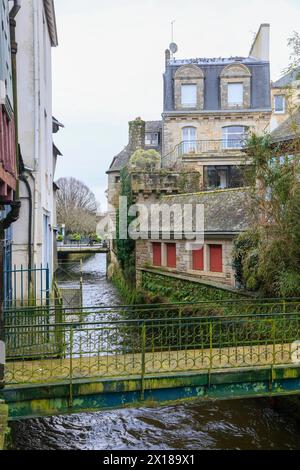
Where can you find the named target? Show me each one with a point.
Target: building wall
(144, 259)
(35, 133)
(292, 100)
(209, 126)
(7, 124)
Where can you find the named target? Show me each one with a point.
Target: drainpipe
(36, 121)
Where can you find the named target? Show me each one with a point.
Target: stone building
(142, 135)
(210, 106)
(226, 214)
(285, 97)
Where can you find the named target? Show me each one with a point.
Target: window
(233, 136)
(189, 95)
(188, 139)
(171, 255)
(198, 259)
(220, 176)
(152, 139)
(117, 179)
(216, 258)
(235, 93)
(279, 103)
(156, 251)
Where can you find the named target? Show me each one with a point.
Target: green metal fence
(153, 346)
(26, 286)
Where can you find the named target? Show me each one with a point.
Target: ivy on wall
(126, 247)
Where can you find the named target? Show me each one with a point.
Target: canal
(240, 424)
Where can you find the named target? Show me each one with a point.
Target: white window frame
(283, 104)
(232, 143)
(230, 86)
(154, 139)
(189, 103)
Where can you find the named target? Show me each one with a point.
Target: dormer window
(152, 139)
(189, 87)
(235, 83)
(188, 95)
(235, 93)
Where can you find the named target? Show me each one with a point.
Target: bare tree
(76, 206)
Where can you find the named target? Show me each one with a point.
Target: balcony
(188, 150)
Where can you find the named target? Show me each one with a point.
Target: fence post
(210, 352)
(143, 365)
(71, 368)
(274, 340)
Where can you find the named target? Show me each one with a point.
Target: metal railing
(26, 286)
(201, 147)
(74, 349)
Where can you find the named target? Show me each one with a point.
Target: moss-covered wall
(178, 290)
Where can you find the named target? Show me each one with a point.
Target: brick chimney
(136, 134)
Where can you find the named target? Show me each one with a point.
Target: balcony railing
(195, 148)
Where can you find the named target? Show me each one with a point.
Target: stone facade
(212, 132)
(144, 259)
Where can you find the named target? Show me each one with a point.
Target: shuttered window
(216, 258)
(171, 255)
(156, 250)
(198, 260)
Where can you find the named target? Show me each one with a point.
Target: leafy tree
(267, 257)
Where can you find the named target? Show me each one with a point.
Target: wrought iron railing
(71, 349)
(201, 147)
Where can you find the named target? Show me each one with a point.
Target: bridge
(81, 248)
(107, 357)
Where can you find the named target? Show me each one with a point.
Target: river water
(239, 424)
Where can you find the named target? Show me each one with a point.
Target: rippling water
(240, 424)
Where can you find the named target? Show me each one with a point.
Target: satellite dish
(173, 47)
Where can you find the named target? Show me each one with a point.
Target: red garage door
(216, 258)
(198, 259)
(171, 255)
(156, 249)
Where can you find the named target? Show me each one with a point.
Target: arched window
(233, 137)
(189, 139)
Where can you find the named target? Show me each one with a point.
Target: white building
(34, 232)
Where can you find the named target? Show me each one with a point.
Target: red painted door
(171, 255)
(216, 258)
(198, 260)
(156, 250)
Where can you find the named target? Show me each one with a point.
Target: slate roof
(122, 158)
(212, 68)
(287, 79)
(225, 211)
(288, 130)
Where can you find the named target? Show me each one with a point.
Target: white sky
(108, 67)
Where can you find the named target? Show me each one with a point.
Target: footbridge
(89, 359)
(81, 248)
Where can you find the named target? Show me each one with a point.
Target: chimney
(137, 134)
(260, 48)
(167, 57)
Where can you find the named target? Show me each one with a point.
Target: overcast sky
(108, 67)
